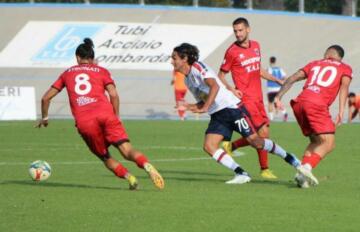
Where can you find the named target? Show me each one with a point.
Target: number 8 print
(82, 85)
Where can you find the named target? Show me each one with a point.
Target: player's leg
(116, 135)
(129, 153)
(265, 172)
(270, 106)
(220, 127)
(320, 145)
(211, 146)
(92, 134)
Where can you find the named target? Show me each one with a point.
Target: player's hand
(278, 104)
(280, 82)
(200, 110)
(41, 123)
(237, 93)
(338, 120)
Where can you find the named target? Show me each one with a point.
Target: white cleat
(301, 181)
(308, 175)
(239, 179)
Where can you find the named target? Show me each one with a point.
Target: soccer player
(324, 79)
(354, 106)
(97, 118)
(273, 88)
(180, 92)
(226, 112)
(243, 60)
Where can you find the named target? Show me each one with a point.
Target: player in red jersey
(243, 60)
(325, 78)
(97, 118)
(353, 106)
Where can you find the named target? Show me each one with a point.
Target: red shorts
(313, 119)
(100, 131)
(180, 94)
(257, 113)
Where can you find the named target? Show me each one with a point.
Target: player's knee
(256, 142)
(209, 148)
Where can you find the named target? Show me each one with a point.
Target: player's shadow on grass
(61, 185)
(194, 176)
(286, 183)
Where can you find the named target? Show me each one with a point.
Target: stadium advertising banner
(17, 103)
(117, 45)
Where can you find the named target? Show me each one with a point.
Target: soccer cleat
(133, 183)
(155, 176)
(239, 179)
(227, 146)
(301, 181)
(308, 175)
(267, 174)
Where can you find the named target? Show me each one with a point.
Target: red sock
(242, 142)
(120, 171)
(141, 160)
(263, 159)
(312, 159)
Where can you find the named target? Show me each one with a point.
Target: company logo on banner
(117, 45)
(62, 46)
(17, 103)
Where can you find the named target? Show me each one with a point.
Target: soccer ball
(39, 170)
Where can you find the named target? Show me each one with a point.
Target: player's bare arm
(214, 88)
(343, 93)
(267, 76)
(114, 98)
(222, 78)
(45, 104)
(298, 76)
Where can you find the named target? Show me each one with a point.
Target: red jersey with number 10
(323, 81)
(85, 85)
(244, 65)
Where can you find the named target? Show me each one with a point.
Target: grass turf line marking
(236, 154)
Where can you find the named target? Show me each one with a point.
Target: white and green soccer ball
(39, 170)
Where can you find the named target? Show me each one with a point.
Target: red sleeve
(107, 78)
(227, 62)
(307, 69)
(347, 71)
(59, 84)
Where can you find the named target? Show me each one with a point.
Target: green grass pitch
(81, 195)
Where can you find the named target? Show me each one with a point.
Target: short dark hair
(188, 50)
(272, 59)
(241, 20)
(351, 94)
(86, 49)
(339, 50)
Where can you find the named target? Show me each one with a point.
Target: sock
(120, 171)
(141, 160)
(283, 112)
(242, 142)
(226, 160)
(263, 158)
(313, 159)
(271, 116)
(273, 148)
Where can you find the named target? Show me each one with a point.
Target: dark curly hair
(189, 51)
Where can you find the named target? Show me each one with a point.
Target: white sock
(226, 160)
(271, 147)
(307, 166)
(271, 116)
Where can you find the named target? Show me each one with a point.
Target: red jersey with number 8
(323, 81)
(85, 85)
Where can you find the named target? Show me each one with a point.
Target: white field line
(205, 157)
